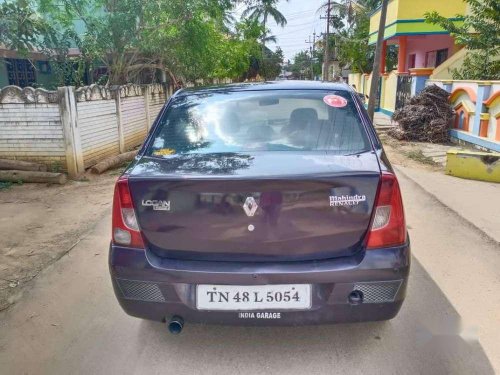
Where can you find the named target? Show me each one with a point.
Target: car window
(281, 120)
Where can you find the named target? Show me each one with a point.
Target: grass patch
(4, 185)
(419, 156)
(55, 167)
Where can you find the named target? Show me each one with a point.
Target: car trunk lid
(255, 207)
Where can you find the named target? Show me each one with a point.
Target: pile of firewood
(17, 170)
(426, 117)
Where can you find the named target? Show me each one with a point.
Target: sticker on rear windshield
(335, 101)
(163, 152)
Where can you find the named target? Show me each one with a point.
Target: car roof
(268, 85)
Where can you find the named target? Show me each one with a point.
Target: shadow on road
(423, 338)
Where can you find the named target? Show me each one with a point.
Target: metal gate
(403, 91)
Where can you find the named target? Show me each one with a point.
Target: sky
(303, 19)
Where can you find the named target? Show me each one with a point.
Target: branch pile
(425, 117)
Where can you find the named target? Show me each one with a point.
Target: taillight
(388, 225)
(125, 227)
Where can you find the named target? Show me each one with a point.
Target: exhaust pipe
(175, 325)
(355, 297)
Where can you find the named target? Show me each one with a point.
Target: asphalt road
(70, 323)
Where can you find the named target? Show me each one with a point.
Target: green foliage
(24, 29)
(56, 167)
(262, 9)
(191, 40)
(480, 34)
(5, 185)
(349, 25)
(268, 64)
(303, 63)
(272, 63)
(188, 39)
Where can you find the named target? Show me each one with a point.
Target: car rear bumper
(154, 288)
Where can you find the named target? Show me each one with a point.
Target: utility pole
(312, 50)
(376, 61)
(326, 58)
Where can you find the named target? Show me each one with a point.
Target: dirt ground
(407, 154)
(39, 223)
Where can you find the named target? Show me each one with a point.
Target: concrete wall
(135, 126)
(32, 132)
(476, 104)
(388, 89)
(156, 102)
(98, 130)
(355, 81)
(477, 108)
(76, 129)
(390, 85)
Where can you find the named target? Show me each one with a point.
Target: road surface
(69, 322)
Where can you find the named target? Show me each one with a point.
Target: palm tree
(261, 11)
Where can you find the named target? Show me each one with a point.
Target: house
(34, 70)
(427, 54)
(421, 45)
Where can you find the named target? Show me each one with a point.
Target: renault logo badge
(250, 206)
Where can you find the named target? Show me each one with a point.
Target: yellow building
(428, 54)
(421, 44)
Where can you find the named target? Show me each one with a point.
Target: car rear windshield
(244, 121)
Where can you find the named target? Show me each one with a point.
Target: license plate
(253, 297)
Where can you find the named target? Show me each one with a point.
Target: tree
(187, 39)
(350, 23)
(260, 10)
(272, 63)
(352, 42)
(190, 40)
(376, 63)
(480, 34)
(258, 57)
(304, 62)
(25, 30)
(195, 42)
(21, 28)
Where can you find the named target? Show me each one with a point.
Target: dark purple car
(260, 204)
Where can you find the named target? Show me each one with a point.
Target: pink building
(421, 45)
